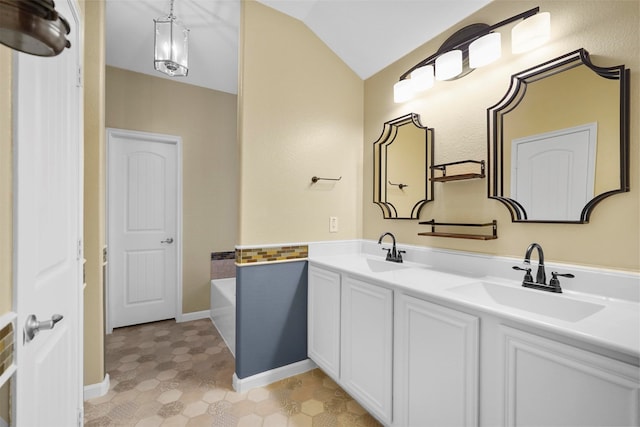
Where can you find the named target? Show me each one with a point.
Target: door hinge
(80, 418)
(79, 76)
(79, 250)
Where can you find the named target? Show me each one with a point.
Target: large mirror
(559, 140)
(402, 156)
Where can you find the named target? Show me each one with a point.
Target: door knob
(32, 326)
(169, 240)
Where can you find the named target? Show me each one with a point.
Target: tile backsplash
(6, 347)
(270, 254)
(223, 265)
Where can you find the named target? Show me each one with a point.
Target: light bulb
(531, 33)
(402, 91)
(449, 65)
(485, 50)
(422, 78)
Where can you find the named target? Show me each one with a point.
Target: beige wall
(457, 110)
(300, 115)
(6, 193)
(206, 121)
(94, 187)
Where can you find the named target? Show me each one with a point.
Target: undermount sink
(377, 266)
(539, 302)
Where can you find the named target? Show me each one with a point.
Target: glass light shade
(422, 78)
(449, 65)
(171, 47)
(485, 50)
(531, 33)
(402, 91)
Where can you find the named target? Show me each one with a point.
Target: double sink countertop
(610, 322)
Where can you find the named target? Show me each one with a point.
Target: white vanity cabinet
(436, 365)
(323, 339)
(550, 383)
(367, 345)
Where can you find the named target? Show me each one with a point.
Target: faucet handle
(527, 275)
(554, 278)
(388, 253)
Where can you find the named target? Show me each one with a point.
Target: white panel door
(324, 320)
(48, 231)
(143, 227)
(366, 363)
(436, 365)
(553, 173)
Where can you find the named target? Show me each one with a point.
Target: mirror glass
(402, 156)
(559, 140)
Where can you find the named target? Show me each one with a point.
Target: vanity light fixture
(171, 46)
(473, 46)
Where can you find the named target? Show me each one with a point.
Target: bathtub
(223, 310)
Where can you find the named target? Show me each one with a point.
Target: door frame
(159, 139)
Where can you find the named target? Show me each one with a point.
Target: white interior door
(48, 231)
(143, 232)
(553, 173)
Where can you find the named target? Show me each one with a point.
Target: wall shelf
(458, 177)
(493, 224)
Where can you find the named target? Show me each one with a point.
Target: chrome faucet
(541, 276)
(393, 254)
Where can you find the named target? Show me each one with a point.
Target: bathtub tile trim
(271, 254)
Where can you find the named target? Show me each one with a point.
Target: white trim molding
(92, 391)
(268, 377)
(194, 315)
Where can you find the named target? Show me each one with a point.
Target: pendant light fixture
(171, 46)
(33, 27)
(471, 47)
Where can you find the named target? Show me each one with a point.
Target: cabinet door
(366, 362)
(436, 365)
(324, 320)
(550, 383)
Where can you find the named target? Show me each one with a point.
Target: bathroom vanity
(446, 339)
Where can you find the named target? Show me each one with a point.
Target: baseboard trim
(194, 315)
(265, 378)
(92, 391)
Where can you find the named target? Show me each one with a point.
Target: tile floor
(179, 374)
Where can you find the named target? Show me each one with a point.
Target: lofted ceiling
(367, 35)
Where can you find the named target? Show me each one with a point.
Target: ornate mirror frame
(512, 99)
(398, 180)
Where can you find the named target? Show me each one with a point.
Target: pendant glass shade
(402, 91)
(531, 33)
(485, 50)
(422, 78)
(171, 47)
(449, 65)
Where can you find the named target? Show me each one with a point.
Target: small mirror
(559, 140)
(402, 156)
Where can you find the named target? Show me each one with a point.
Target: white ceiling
(367, 34)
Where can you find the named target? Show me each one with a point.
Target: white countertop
(614, 326)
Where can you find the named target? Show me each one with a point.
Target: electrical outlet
(333, 224)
